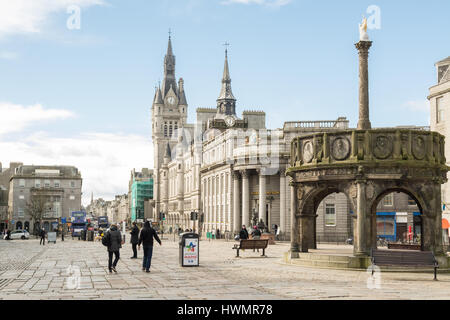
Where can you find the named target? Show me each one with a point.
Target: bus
(103, 222)
(79, 223)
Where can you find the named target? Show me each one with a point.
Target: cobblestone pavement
(30, 271)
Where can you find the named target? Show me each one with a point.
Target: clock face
(230, 121)
(171, 100)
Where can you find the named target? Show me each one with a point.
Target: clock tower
(169, 113)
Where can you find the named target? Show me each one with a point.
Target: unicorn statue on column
(363, 36)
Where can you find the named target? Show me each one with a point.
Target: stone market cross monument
(366, 164)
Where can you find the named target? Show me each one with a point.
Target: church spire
(169, 70)
(226, 103)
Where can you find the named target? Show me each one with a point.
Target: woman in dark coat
(114, 245)
(243, 235)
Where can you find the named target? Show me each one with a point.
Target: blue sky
(295, 60)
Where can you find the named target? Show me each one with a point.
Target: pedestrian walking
(42, 234)
(134, 239)
(243, 234)
(114, 243)
(146, 239)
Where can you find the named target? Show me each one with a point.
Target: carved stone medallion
(419, 148)
(308, 152)
(382, 147)
(340, 149)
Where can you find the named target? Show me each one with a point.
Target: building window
(37, 183)
(330, 215)
(388, 200)
(411, 201)
(20, 212)
(439, 110)
(72, 197)
(165, 130)
(46, 183)
(22, 183)
(22, 197)
(72, 184)
(57, 184)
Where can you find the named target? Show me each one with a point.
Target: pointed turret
(169, 70)
(226, 103)
(181, 94)
(158, 97)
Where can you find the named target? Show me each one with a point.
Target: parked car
(20, 234)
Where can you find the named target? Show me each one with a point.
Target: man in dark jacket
(42, 234)
(114, 244)
(243, 235)
(146, 238)
(134, 239)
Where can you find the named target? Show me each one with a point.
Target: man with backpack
(113, 240)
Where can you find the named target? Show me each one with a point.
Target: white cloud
(105, 160)
(7, 55)
(270, 3)
(29, 16)
(15, 118)
(418, 105)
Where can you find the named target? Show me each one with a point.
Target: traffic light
(162, 216)
(194, 215)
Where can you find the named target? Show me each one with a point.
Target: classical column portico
(236, 204)
(245, 198)
(282, 226)
(294, 222)
(262, 197)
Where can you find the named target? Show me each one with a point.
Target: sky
(77, 77)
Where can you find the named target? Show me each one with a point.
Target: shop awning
(445, 224)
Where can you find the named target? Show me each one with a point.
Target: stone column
(294, 222)
(245, 198)
(363, 49)
(282, 225)
(307, 225)
(432, 221)
(262, 197)
(363, 228)
(236, 204)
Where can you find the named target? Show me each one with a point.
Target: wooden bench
(404, 259)
(251, 244)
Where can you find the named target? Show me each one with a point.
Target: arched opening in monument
(334, 219)
(397, 217)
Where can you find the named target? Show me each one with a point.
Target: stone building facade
(440, 115)
(440, 122)
(222, 164)
(5, 176)
(60, 186)
(116, 210)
